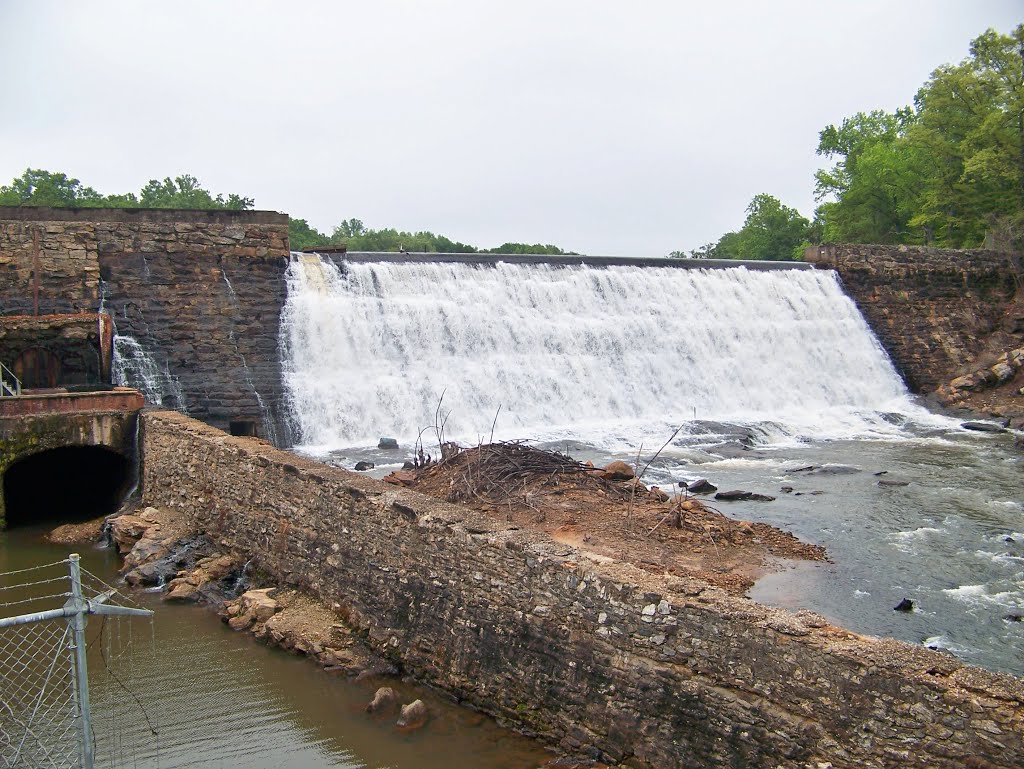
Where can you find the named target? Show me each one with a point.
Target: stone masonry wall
(592, 654)
(932, 309)
(80, 343)
(200, 291)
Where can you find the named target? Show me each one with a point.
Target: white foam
(596, 354)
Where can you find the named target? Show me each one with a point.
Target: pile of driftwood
(511, 473)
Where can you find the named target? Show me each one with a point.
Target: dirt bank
(608, 513)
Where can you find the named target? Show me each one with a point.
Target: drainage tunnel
(73, 483)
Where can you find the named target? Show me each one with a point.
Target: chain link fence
(45, 717)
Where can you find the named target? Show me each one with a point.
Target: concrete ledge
(120, 399)
(562, 260)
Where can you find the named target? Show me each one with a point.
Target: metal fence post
(78, 622)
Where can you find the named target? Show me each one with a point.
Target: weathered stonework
(32, 424)
(201, 291)
(595, 655)
(932, 309)
(81, 346)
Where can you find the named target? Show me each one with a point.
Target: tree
(37, 187)
(874, 182)
(301, 236)
(949, 170)
(184, 192)
(526, 248)
(772, 231)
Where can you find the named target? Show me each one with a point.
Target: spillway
(612, 354)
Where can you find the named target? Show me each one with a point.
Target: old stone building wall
(596, 655)
(934, 310)
(199, 294)
(61, 349)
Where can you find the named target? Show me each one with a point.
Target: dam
(771, 371)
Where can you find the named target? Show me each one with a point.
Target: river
(218, 698)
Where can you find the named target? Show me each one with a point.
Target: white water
(610, 355)
(134, 367)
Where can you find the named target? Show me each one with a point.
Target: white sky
(602, 127)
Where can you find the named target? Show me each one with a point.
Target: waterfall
(613, 355)
(134, 367)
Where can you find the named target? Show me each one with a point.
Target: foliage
(302, 236)
(527, 248)
(352, 234)
(949, 171)
(185, 192)
(771, 231)
(37, 187)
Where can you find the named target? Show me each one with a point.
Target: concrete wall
(201, 291)
(933, 310)
(32, 424)
(592, 654)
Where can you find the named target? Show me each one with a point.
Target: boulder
(401, 478)
(126, 530)
(362, 466)
(834, 470)
(738, 495)
(388, 444)
(905, 605)
(413, 715)
(618, 471)
(983, 427)
(662, 496)
(701, 486)
(385, 697)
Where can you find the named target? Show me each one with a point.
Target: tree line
(37, 187)
(946, 171)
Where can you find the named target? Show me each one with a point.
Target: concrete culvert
(72, 483)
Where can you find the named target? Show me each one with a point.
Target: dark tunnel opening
(73, 483)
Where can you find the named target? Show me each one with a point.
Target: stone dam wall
(201, 291)
(933, 310)
(594, 655)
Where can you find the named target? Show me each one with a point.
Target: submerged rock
(384, 697)
(905, 605)
(983, 427)
(413, 715)
(738, 495)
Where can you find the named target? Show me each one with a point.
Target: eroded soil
(606, 515)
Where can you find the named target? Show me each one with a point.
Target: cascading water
(134, 367)
(612, 355)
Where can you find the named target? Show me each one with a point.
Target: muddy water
(219, 699)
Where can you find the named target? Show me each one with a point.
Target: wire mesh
(39, 712)
(43, 722)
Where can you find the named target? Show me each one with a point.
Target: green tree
(301, 236)
(185, 192)
(874, 182)
(772, 231)
(527, 248)
(948, 171)
(37, 187)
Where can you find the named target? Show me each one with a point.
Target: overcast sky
(603, 127)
